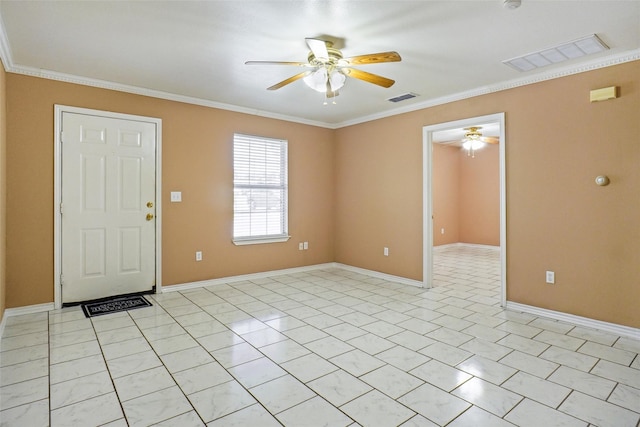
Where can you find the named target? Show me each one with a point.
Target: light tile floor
(328, 347)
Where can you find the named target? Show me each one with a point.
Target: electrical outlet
(198, 255)
(442, 231)
(385, 251)
(300, 246)
(551, 277)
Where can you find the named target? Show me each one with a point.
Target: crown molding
(556, 73)
(11, 67)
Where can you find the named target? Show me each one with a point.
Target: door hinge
(60, 208)
(61, 136)
(61, 280)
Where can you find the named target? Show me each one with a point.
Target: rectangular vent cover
(403, 97)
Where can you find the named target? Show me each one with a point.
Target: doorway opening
(473, 238)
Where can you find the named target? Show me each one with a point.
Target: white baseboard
(379, 275)
(243, 277)
(29, 309)
(613, 328)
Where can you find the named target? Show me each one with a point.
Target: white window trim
(274, 238)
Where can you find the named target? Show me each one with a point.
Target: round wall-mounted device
(602, 180)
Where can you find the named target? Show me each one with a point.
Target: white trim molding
(613, 328)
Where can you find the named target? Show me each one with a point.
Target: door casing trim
(57, 190)
(427, 204)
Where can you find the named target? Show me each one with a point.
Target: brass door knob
(149, 217)
(149, 204)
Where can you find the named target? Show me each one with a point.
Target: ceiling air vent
(403, 97)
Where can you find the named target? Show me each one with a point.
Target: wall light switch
(385, 251)
(176, 196)
(551, 277)
(305, 245)
(198, 255)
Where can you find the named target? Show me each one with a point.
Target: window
(259, 190)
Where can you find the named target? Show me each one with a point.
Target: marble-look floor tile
(391, 381)
(440, 375)
(545, 392)
(402, 358)
(488, 396)
(72, 352)
(141, 383)
(569, 358)
(185, 359)
(125, 348)
(34, 414)
(218, 401)
(449, 336)
(329, 347)
(374, 408)
(282, 393)
(309, 367)
(24, 392)
(19, 372)
(284, 351)
(486, 349)
(533, 414)
(76, 368)
(411, 340)
(133, 363)
(598, 412)
(434, 404)
(446, 353)
(371, 343)
(475, 416)
(530, 364)
(236, 355)
(98, 410)
(592, 385)
(173, 344)
(155, 407)
(339, 387)
(254, 415)
(202, 377)
(305, 334)
(623, 357)
(189, 419)
(627, 397)
(619, 373)
(357, 362)
(315, 411)
(79, 389)
(23, 341)
(524, 345)
(486, 369)
(256, 372)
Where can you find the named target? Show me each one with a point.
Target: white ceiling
(195, 51)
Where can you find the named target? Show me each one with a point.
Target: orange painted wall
(466, 196)
(480, 196)
(359, 188)
(557, 142)
(446, 194)
(196, 159)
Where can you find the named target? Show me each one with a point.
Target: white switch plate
(300, 246)
(176, 196)
(551, 277)
(198, 255)
(305, 245)
(386, 251)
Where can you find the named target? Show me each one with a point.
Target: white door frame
(57, 191)
(427, 197)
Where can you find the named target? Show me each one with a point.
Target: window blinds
(259, 188)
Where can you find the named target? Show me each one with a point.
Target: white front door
(108, 206)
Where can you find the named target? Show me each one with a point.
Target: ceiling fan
(474, 140)
(326, 69)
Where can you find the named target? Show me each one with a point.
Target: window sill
(259, 241)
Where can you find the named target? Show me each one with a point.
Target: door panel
(108, 188)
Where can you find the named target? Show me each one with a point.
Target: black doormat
(113, 305)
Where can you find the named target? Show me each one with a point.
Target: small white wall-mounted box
(176, 196)
(603, 94)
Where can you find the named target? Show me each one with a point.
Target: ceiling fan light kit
(473, 140)
(328, 69)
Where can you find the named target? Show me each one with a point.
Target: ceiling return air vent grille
(403, 97)
(575, 49)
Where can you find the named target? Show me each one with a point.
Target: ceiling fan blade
(289, 80)
(300, 64)
(318, 47)
(368, 77)
(490, 139)
(374, 58)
